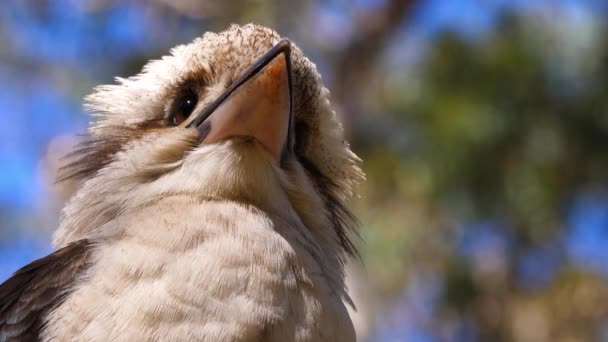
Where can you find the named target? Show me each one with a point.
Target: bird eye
(183, 108)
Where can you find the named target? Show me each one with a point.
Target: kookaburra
(211, 206)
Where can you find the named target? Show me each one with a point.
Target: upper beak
(257, 105)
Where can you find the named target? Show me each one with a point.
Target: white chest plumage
(151, 247)
(226, 273)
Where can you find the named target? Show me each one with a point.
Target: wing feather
(34, 290)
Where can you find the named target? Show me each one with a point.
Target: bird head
(240, 115)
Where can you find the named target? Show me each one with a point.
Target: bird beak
(257, 105)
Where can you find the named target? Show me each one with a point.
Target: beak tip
(264, 91)
(283, 44)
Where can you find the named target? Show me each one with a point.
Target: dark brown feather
(96, 152)
(33, 291)
(343, 220)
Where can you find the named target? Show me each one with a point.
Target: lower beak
(257, 105)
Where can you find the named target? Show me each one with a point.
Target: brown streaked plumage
(213, 189)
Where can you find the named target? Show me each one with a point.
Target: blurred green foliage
(500, 129)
